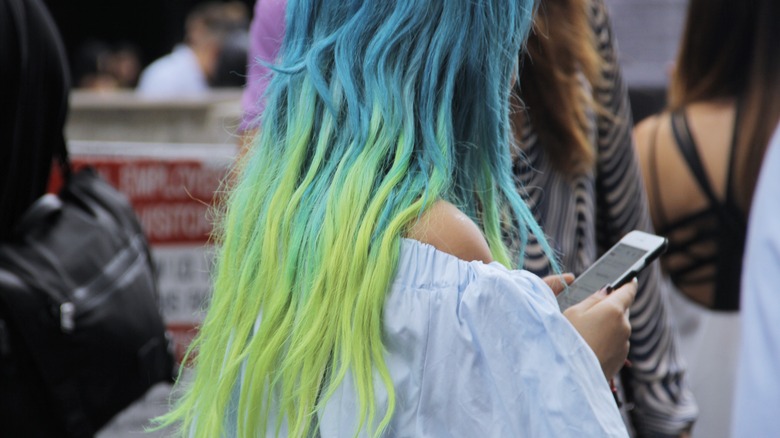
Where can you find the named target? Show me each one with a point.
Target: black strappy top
(721, 222)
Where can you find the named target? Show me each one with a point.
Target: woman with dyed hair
(355, 289)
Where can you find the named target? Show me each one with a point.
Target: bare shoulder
(650, 137)
(645, 131)
(449, 230)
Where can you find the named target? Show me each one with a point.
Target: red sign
(173, 189)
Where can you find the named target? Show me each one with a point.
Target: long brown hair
(561, 52)
(730, 50)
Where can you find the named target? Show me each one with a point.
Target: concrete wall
(125, 117)
(648, 33)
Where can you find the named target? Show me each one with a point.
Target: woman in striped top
(581, 178)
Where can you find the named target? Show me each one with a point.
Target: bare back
(680, 207)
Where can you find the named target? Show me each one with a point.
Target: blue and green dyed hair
(378, 109)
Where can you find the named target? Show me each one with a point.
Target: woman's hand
(556, 282)
(602, 320)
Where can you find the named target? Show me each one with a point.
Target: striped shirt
(583, 216)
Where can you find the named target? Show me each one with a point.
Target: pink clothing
(265, 39)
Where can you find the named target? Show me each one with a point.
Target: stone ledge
(125, 116)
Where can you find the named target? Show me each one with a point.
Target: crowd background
(109, 45)
(130, 36)
(150, 27)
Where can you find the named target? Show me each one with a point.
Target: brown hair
(561, 52)
(730, 50)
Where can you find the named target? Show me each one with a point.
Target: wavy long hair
(561, 53)
(730, 50)
(378, 108)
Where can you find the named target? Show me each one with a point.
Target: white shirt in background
(177, 74)
(757, 400)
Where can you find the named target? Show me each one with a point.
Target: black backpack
(81, 335)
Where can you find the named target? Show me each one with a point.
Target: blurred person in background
(236, 12)
(34, 84)
(90, 67)
(99, 67)
(125, 65)
(192, 66)
(231, 65)
(758, 382)
(700, 160)
(584, 184)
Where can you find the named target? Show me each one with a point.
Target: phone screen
(611, 266)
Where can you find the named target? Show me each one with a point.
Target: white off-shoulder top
(475, 350)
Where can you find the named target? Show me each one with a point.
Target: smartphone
(635, 251)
